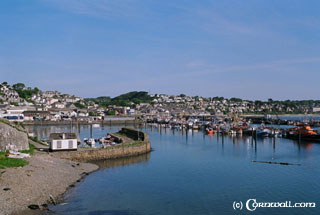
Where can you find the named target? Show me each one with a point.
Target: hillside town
(21, 103)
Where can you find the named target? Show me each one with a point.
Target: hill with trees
(127, 99)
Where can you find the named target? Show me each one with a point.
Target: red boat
(303, 133)
(210, 131)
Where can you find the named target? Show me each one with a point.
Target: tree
(111, 112)
(36, 90)
(79, 105)
(236, 100)
(18, 86)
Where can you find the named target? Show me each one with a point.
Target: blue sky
(252, 49)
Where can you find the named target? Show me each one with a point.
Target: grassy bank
(5, 161)
(10, 162)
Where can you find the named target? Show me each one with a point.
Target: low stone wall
(121, 150)
(135, 134)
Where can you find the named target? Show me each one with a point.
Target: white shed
(63, 141)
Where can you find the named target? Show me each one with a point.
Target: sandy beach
(43, 181)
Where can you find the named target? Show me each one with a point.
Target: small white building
(63, 141)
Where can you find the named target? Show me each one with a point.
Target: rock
(34, 207)
(6, 188)
(84, 173)
(12, 138)
(52, 200)
(72, 185)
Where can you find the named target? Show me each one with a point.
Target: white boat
(233, 132)
(263, 132)
(196, 127)
(91, 142)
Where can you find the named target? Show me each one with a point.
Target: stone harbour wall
(121, 150)
(135, 134)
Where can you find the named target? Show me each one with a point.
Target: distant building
(14, 115)
(316, 109)
(36, 115)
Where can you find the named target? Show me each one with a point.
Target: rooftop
(63, 136)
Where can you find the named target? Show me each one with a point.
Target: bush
(30, 151)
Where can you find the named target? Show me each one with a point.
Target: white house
(63, 141)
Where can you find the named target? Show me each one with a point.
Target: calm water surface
(191, 173)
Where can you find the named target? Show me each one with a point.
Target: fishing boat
(263, 132)
(277, 133)
(177, 127)
(233, 132)
(303, 133)
(195, 127)
(210, 131)
(90, 141)
(249, 131)
(239, 131)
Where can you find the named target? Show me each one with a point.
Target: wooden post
(255, 145)
(299, 136)
(186, 135)
(222, 138)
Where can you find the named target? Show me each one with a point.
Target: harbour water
(190, 173)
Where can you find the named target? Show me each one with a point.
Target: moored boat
(303, 133)
(209, 131)
(263, 132)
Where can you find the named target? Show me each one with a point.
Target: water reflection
(123, 161)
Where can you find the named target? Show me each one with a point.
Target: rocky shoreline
(42, 182)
